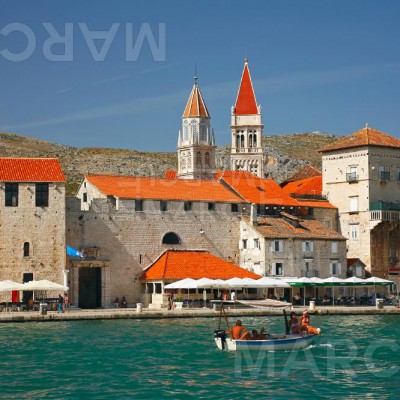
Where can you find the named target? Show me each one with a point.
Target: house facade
(361, 176)
(32, 220)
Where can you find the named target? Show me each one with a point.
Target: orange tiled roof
(133, 187)
(364, 137)
(306, 171)
(315, 203)
(246, 103)
(196, 107)
(309, 186)
(258, 190)
(30, 170)
(279, 228)
(196, 264)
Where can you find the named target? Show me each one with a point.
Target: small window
(244, 244)
(307, 247)
(171, 238)
(234, 208)
(335, 268)
(11, 194)
(277, 269)
(187, 206)
(26, 249)
(138, 205)
(277, 245)
(163, 205)
(42, 195)
(308, 271)
(334, 248)
(84, 197)
(140, 259)
(328, 223)
(354, 231)
(354, 204)
(257, 243)
(211, 206)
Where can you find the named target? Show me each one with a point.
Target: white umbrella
(333, 281)
(43, 285)
(251, 283)
(234, 283)
(272, 283)
(354, 281)
(378, 282)
(9, 286)
(187, 283)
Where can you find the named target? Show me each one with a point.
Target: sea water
(356, 357)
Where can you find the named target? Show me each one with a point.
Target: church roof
(30, 170)
(196, 107)
(246, 103)
(257, 190)
(364, 137)
(195, 264)
(280, 228)
(134, 187)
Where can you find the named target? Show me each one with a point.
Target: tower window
(26, 249)
(171, 238)
(198, 159)
(241, 140)
(254, 140)
(250, 140)
(11, 194)
(237, 141)
(187, 205)
(203, 132)
(207, 159)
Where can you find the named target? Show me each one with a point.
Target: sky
(316, 65)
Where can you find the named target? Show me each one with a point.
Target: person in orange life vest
(238, 332)
(305, 321)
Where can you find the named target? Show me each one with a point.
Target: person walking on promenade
(66, 302)
(60, 304)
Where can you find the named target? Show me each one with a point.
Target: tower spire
(195, 74)
(246, 103)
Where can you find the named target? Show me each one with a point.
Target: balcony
(351, 177)
(384, 211)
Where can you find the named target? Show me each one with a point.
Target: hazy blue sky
(320, 65)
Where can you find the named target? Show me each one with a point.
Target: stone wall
(42, 227)
(130, 241)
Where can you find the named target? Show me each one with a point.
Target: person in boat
(238, 332)
(294, 324)
(263, 335)
(305, 322)
(255, 335)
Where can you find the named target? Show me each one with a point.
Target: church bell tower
(246, 129)
(196, 142)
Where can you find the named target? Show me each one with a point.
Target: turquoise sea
(357, 357)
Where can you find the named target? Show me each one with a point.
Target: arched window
(198, 159)
(207, 159)
(251, 140)
(237, 141)
(193, 127)
(254, 140)
(203, 132)
(241, 140)
(171, 238)
(185, 131)
(26, 249)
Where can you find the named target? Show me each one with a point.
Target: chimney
(253, 214)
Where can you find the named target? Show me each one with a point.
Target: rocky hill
(285, 154)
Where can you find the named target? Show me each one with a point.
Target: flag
(73, 252)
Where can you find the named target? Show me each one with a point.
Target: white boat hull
(274, 343)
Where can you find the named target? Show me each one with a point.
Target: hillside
(285, 154)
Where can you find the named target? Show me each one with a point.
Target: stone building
(361, 176)
(32, 220)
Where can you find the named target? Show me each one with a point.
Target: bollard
(312, 305)
(139, 307)
(214, 307)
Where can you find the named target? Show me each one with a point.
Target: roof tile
(364, 137)
(196, 264)
(30, 170)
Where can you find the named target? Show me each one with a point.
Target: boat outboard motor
(220, 333)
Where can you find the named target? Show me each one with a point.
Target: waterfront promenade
(132, 313)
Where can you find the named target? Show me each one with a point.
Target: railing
(352, 177)
(384, 215)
